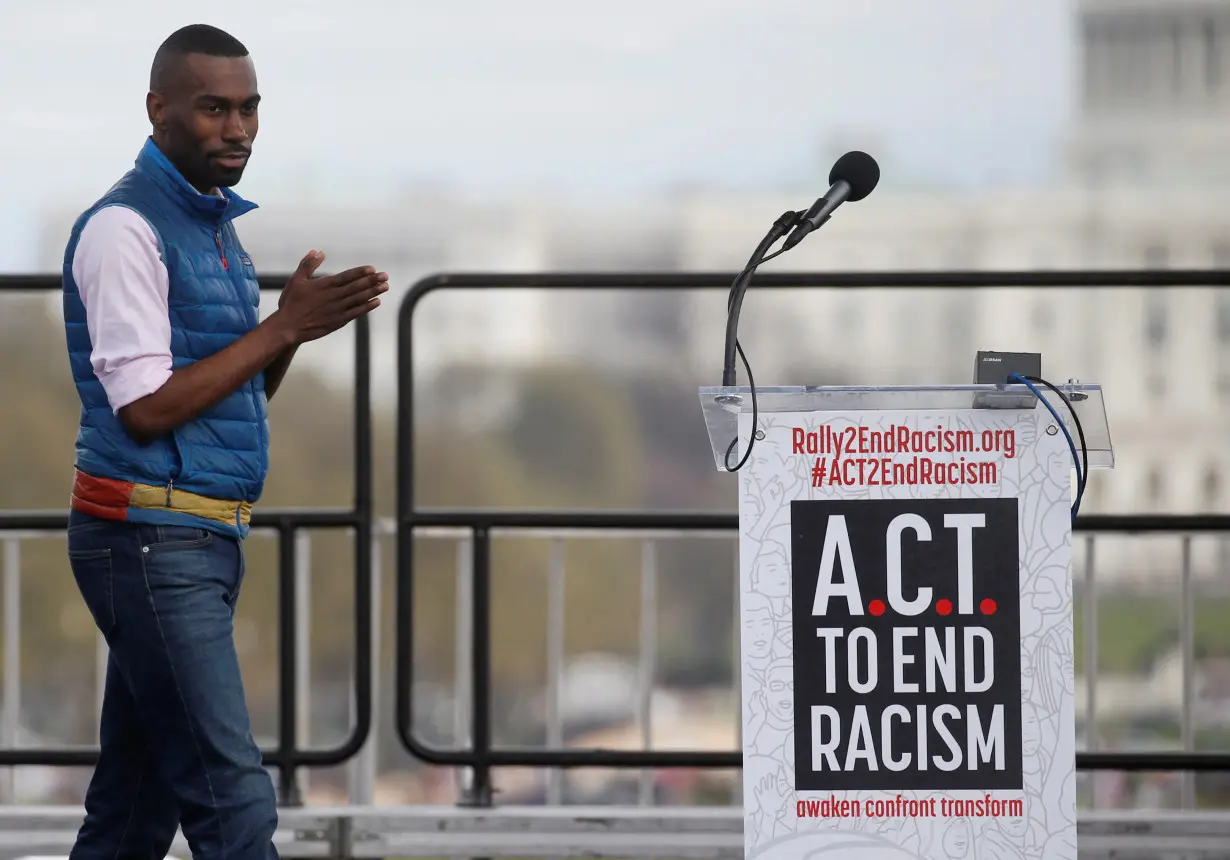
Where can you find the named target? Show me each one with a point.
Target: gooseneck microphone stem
(852, 178)
(738, 288)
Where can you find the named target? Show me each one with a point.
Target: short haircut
(193, 39)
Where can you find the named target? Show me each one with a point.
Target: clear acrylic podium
(905, 619)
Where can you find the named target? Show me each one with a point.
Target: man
(174, 371)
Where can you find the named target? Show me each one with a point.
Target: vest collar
(209, 207)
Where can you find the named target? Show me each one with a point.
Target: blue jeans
(177, 747)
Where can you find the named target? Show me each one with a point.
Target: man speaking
(174, 369)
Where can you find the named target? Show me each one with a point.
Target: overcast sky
(593, 100)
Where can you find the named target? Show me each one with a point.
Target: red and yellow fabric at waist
(111, 499)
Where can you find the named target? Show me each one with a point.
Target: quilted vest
(209, 471)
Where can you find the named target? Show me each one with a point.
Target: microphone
(852, 178)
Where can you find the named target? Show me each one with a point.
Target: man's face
(771, 574)
(1013, 827)
(781, 692)
(760, 631)
(957, 837)
(206, 118)
(1031, 730)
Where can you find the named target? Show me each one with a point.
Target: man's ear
(154, 109)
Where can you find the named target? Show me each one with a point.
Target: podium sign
(906, 625)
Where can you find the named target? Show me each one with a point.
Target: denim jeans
(177, 747)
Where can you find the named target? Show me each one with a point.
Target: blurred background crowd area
(472, 136)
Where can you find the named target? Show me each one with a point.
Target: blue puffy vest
(210, 471)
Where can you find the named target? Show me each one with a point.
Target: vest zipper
(221, 253)
(260, 429)
(170, 486)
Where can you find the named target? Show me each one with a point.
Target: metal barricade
(478, 527)
(288, 756)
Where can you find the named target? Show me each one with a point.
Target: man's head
(202, 104)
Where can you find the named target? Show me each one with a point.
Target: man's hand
(276, 371)
(312, 307)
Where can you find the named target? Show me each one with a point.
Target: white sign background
(1040, 475)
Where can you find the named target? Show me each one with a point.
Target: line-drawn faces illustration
(770, 569)
(777, 475)
(1027, 428)
(835, 845)
(1012, 827)
(1031, 735)
(760, 629)
(1055, 666)
(779, 695)
(1043, 607)
(767, 797)
(955, 840)
(1027, 674)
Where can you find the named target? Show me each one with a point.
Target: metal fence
(482, 755)
(288, 755)
(477, 528)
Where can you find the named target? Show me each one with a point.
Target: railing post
(555, 665)
(11, 725)
(303, 649)
(288, 792)
(1187, 641)
(648, 653)
(463, 660)
(365, 766)
(480, 791)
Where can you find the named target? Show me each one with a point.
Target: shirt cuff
(136, 378)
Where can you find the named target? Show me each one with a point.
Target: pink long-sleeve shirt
(123, 284)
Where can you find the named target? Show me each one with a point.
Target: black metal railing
(482, 755)
(287, 756)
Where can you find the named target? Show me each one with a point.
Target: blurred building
(1154, 92)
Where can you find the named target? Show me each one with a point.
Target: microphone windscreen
(859, 170)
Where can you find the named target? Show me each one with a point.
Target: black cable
(751, 439)
(1082, 474)
(734, 299)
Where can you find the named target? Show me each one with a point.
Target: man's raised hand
(313, 307)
